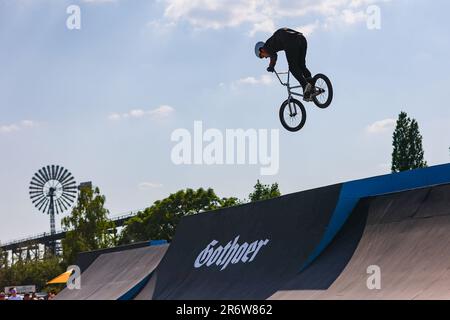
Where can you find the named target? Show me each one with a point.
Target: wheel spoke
(292, 115)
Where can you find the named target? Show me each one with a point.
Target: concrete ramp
(117, 275)
(406, 235)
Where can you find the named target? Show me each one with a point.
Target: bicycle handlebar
(278, 76)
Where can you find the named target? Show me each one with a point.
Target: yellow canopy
(62, 278)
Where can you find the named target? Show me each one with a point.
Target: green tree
(3, 259)
(88, 227)
(160, 220)
(408, 153)
(264, 192)
(34, 272)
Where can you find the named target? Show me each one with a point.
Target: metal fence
(39, 236)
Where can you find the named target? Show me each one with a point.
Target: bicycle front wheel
(292, 115)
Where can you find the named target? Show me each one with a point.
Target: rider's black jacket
(282, 39)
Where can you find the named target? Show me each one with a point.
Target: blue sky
(103, 101)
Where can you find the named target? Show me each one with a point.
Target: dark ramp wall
(290, 226)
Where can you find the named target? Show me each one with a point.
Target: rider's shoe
(308, 93)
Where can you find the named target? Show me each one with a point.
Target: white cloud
(381, 126)
(137, 113)
(9, 128)
(114, 116)
(308, 29)
(28, 123)
(149, 185)
(160, 112)
(263, 80)
(264, 15)
(14, 127)
(99, 1)
(161, 25)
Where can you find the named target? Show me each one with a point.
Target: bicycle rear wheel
(324, 91)
(292, 115)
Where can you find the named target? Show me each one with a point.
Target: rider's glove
(271, 69)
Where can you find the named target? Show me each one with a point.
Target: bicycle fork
(292, 108)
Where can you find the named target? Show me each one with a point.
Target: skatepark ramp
(316, 244)
(405, 236)
(117, 275)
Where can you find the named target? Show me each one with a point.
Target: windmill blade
(55, 206)
(33, 187)
(64, 176)
(47, 177)
(37, 200)
(49, 172)
(72, 190)
(59, 170)
(70, 187)
(55, 173)
(36, 191)
(68, 179)
(33, 192)
(44, 174)
(46, 206)
(71, 193)
(69, 182)
(67, 200)
(62, 173)
(67, 203)
(62, 205)
(52, 171)
(68, 196)
(40, 174)
(36, 178)
(40, 203)
(34, 196)
(33, 183)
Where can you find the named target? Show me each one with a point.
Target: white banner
(22, 289)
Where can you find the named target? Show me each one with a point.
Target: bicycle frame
(287, 85)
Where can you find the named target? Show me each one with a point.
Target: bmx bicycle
(292, 111)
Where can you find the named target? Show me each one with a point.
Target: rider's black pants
(296, 57)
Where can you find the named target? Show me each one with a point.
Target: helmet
(258, 47)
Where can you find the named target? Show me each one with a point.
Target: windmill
(53, 190)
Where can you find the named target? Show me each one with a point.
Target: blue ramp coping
(133, 292)
(138, 287)
(353, 191)
(157, 242)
